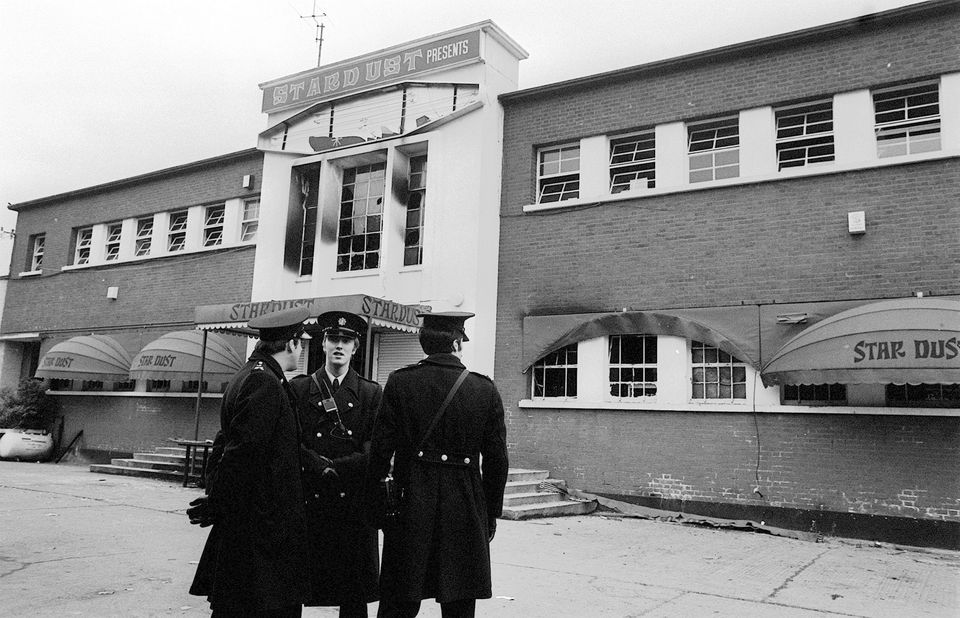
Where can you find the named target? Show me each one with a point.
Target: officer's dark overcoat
(253, 559)
(439, 549)
(344, 549)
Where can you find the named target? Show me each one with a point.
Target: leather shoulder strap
(443, 407)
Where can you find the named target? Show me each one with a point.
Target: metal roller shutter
(395, 350)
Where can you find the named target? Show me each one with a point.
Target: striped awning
(88, 357)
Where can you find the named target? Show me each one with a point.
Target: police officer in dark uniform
(337, 408)
(452, 486)
(253, 561)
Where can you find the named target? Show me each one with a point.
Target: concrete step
(519, 474)
(166, 475)
(556, 508)
(520, 487)
(171, 450)
(148, 463)
(161, 457)
(529, 498)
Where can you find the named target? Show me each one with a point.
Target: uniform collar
(444, 359)
(267, 360)
(350, 380)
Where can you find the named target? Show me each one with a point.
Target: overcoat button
(319, 435)
(349, 432)
(316, 496)
(350, 405)
(420, 454)
(466, 460)
(443, 457)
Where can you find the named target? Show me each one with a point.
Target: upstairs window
(558, 174)
(714, 150)
(84, 239)
(804, 135)
(213, 226)
(555, 375)
(633, 366)
(632, 163)
(716, 374)
(416, 201)
(361, 218)
(907, 119)
(112, 248)
(144, 237)
(250, 220)
(177, 232)
(309, 181)
(37, 241)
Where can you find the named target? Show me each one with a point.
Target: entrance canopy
(378, 311)
(176, 356)
(908, 340)
(732, 329)
(89, 357)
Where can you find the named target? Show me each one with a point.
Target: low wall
(832, 473)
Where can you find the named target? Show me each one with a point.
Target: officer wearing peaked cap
(452, 481)
(253, 561)
(337, 407)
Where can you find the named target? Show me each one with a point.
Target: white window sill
(726, 406)
(790, 173)
(30, 273)
(355, 274)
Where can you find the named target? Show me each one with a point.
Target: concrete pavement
(74, 543)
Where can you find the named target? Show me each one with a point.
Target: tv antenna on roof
(319, 28)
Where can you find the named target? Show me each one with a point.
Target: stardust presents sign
(371, 71)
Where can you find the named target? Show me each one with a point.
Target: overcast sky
(98, 90)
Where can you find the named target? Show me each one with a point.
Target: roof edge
(786, 38)
(115, 184)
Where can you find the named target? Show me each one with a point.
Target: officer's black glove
(491, 529)
(317, 466)
(200, 513)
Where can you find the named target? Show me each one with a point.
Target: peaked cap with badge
(280, 325)
(342, 324)
(447, 322)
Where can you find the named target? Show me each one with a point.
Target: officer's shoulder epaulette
(368, 380)
(480, 375)
(407, 367)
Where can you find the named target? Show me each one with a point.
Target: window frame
(817, 390)
(83, 245)
(562, 362)
(642, 167)
(37, 245)
(560, 177)
(177, 231)
(716, 147)
(374, 176)
(213, 225)
(416, 190)
(646, 366)
(143, 240)
(912, 131)
(732, 364)
(249, 225)
(812, 135)
(111, 244)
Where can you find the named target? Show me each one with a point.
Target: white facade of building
(381, 177)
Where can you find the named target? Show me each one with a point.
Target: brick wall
(783, 241)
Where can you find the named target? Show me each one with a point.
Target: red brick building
(129, 261)
(668, 229)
